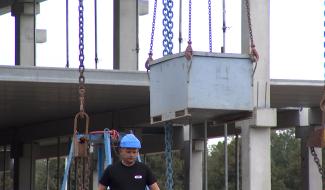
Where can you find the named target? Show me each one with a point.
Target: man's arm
(101, 187)
(154, 187)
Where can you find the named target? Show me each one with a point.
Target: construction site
(76, 114)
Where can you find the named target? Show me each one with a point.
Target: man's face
(129, 155)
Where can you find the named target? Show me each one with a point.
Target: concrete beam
(126, 119)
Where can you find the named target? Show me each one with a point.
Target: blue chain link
(81, 33)
(168, 26)
(210, 28)
(153, 27)
(168, 156)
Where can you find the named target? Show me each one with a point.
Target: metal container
(207, 86)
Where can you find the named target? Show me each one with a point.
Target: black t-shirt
(121, 177)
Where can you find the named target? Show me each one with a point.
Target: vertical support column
(187, 136)
(125, 35)
(27, 166)
(310, 177)
(193, 154)
(196, 171)
(24, 13)
(256, 170)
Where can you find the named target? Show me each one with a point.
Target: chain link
(168, 156)
(82, 88)
(153, 27)
(82, 163)
(88, 169)
(210, 27)
(147, 64)
(254, 52)
(168, 27)
(190, 21)
(317, 161)
(189, 50)
(79, 173)
(249, 21)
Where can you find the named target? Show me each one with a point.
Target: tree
(285, 160)
(157, 163)
(285, 163)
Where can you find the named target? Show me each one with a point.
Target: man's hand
(101, 187)
(154, 187)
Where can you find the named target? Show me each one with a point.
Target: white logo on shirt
(138, 177)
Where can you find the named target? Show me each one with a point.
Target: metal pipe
(226, 155)
(67, 32)
(4, 166)
(31, 167)
(224, 27)
(205, 165)
(47, 174)
(137, 49)
(180, 38)
(34, 30)
(96, 51)
(58, 163)
(237, 163)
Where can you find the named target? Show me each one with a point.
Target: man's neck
(126, 164)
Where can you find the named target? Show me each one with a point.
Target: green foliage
(47, 175)
(285, 160)
(157, 164)
(285, 163)
(216, 169)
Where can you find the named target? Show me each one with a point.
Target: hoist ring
(81, 115)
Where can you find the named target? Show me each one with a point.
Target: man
(128, 174)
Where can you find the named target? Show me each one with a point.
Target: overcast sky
(297, 34)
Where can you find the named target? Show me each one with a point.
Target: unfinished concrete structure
(37, 104)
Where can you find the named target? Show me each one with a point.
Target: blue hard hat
(130, 141)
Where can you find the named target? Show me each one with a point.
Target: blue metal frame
(67, 167)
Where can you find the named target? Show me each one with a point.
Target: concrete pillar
(193, 157)
(196, 170)
(125, 35)
(310, 177)
(27, 166)
(256, 156)
(25, 32)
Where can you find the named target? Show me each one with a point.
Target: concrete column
(125, 35)
(193, 157)
(27, 167)
(256, 156)
(310, 177)
(196, 170)
(25, 32)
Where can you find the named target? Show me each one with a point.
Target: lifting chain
(82, 88)
(168, 27)
(147, 64)
(83, 172)
(318, 162)
(82, 157)
(254, 53)
(168, 155)
(210, 27)
(189, 50)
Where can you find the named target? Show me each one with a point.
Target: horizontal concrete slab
(32, 95)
